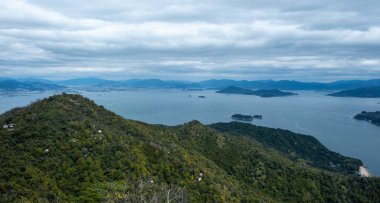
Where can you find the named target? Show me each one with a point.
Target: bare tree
(145, 190)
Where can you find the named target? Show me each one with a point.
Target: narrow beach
(364, 172)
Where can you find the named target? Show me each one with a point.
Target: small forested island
(261, 92)
(241, 117)
(372, 117)
(258, 117)
(364, 92)
(66, 148)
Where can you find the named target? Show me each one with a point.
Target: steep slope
(262, 168)
(67, 148)
(296, 147)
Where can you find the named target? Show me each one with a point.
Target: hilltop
(67, 148)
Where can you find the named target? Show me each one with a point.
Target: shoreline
(364, 172)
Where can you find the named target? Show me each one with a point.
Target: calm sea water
(329, 119)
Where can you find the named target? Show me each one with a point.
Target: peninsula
(364, 92)
(372, 117)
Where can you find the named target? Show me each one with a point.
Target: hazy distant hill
(84, 82)
(289, 84)
(264, 84)
(261, 92)
(133, 83)
(156, 83)
(9, 85)
(221, 84)
(36, 80)
(68, 149)
(365, 92)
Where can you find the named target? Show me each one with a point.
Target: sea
(329, 119)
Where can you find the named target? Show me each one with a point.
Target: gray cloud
(191, 39)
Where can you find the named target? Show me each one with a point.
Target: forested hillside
(67, 148)
(297, 147)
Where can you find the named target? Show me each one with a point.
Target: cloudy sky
(310, 40)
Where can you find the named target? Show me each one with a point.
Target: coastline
(364, 172)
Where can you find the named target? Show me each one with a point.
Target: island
(372, 117)
(258, 117)
(363, 92)
(241, 117)
(260, 93)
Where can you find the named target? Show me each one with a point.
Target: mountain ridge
(10, 85)
(67, 148)
(99, 84)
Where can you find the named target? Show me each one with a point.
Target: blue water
(329, 119)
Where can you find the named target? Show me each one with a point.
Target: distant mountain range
(289, 84)
(101, 84)
(133, 83)
(10, 85)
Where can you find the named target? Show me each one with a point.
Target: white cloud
(205, 37)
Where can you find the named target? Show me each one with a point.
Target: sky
(308, 40)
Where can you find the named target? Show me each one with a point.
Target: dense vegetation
(373, 117)
(261, 92)
(294, 146)
(67, 148)
(365, 92)
(242, 117)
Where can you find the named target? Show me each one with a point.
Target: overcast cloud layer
(190, 40)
